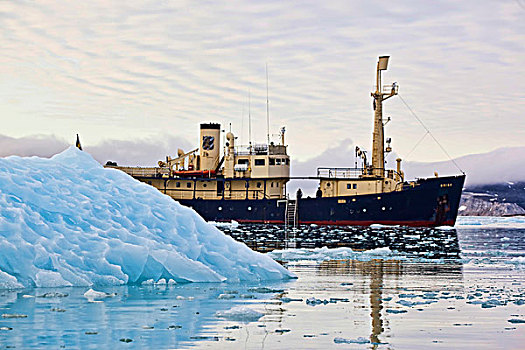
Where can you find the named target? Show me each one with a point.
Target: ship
(248, 184)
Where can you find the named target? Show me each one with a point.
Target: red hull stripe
(358, 223)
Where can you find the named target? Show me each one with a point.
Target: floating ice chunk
(445, 228)
(395, 311)
(314, 301)
(232, 224)
(240, 313)
(289, 300)
(265, 290)
(360, 340)
(226, 296)
(53, 295)
(322, 254)
(415, 303)
(93, 294)
(520, 260)
(14, 316)
(379, 226)
(516, 320)
(67, 221)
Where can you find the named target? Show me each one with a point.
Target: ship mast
(378, 143)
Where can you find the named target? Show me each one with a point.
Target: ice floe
(67, 221)
(360, 340)
(240, 313)
(321, 254)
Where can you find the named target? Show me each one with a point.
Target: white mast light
(383, 62)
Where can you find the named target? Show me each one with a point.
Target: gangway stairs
(290, 215)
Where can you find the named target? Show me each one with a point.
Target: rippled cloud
(137, 70)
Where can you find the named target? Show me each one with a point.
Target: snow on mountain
(68, 221)
(498, 166)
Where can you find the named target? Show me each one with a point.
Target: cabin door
(220, 188)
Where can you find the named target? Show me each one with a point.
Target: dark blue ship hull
(430, 202)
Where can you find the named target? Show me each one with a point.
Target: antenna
(267, 110)
(250, 119)
(242, 123)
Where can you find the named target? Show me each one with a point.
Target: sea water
(373, 288)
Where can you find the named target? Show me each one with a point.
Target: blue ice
(67, 221)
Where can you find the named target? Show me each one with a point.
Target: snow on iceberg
(67, 221)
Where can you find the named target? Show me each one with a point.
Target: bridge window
(188, 184)
(243, 161)
(259, 162)
(287, 161)
(258, 185)
(278, 161)
(177, 184)
(354, 186)
(271, 161)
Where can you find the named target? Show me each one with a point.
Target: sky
(131, 75)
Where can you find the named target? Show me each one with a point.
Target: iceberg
(67, 221)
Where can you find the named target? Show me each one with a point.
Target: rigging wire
(417, 144)
(428, 132)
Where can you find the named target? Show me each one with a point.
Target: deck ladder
(290, 218)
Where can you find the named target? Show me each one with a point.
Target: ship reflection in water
(432, 256)
(376, 271)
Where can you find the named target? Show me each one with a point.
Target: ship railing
(390, 88)
(347, 173)
(214, 195)
(339, 172)
(143, 171)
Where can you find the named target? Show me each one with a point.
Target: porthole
(353, 199)
(383, 208)
(219, 208)
(364, 210)
(378, 197)
(249, 208)
(204, 185)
